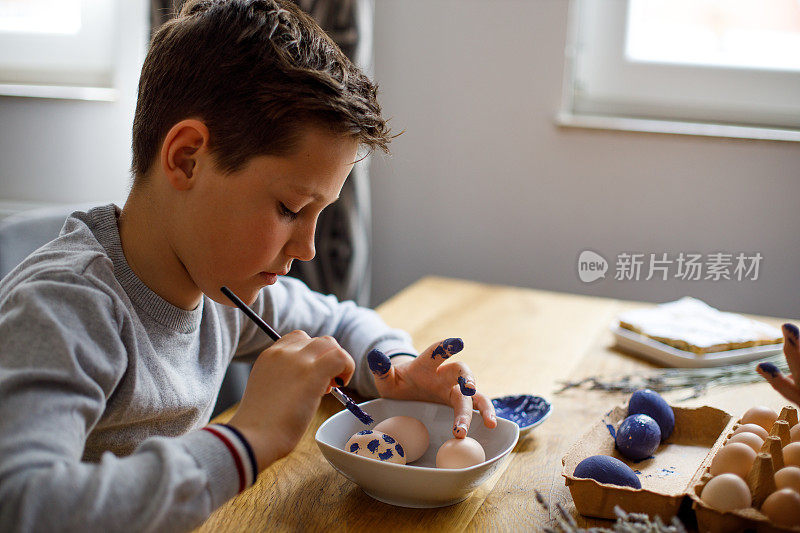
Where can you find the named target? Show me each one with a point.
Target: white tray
(669, 356)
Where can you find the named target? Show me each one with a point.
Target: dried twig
(626, 522)
(696, 379)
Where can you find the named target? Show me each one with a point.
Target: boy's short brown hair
(256, 72)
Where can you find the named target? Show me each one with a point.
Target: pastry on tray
(692, 325)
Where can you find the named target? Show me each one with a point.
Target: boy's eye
(286, 212)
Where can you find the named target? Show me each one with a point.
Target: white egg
(409, 432)
(460, 453)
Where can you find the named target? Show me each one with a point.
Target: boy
(114, 338)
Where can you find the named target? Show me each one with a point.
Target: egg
(791, 454)
(460, 453)
(788, 477)
(409, 432)
(607, 469)
(752, 428)
(638, 437)
(794, 433)
(726, 492)
(735, 458)
(761, 416)
(376, 445)
(782, 507)
(745, 437)
(650, 403)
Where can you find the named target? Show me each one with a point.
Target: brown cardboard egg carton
(760, 480)
(677, 470)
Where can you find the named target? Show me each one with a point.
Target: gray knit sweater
(104, 385)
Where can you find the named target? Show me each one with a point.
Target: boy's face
(244, 229)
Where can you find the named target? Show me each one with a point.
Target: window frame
(597, 75)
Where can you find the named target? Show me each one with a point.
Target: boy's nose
(301, 246)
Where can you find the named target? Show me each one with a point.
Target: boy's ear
(185, 143)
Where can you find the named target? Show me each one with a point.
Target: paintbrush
(252, 315)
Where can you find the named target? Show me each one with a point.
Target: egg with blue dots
(609, 470)
(376, 445)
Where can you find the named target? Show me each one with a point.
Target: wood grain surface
(516, 341)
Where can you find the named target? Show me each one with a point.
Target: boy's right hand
(284, 391)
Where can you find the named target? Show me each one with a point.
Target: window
(712, 67)
(47, 44)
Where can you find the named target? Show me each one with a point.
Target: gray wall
(483, 185)
(71, 151)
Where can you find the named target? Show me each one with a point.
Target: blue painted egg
(607, 469)
(650, 403)
(376, 445)
(638, 437)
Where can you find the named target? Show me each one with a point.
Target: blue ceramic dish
(524, 410)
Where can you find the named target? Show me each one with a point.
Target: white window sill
(97, 94)
(568, 119)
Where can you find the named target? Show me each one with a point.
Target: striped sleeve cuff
(240, 449)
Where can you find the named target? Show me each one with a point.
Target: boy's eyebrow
(307, 192)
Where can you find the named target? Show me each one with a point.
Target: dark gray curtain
(343, 262)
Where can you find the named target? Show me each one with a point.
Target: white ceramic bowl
(419, 484)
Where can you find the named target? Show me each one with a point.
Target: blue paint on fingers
(770, 369)
(793, 332)
(378, 362)
(448, 347)
(466, 390)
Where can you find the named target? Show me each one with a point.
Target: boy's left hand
(427, 379)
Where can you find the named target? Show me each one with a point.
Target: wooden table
(516, 341)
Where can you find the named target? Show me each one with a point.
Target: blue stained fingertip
(770, 369)
(379, 363)
(465, 390)
(453, 345)
(793, 331)
(448, 347)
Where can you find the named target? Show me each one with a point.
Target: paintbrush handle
(250, 313)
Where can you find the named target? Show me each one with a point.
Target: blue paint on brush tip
(770, 369)
(361, 415)
(448, 347)
(378, 362)
(465, 390)
(339, 381)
